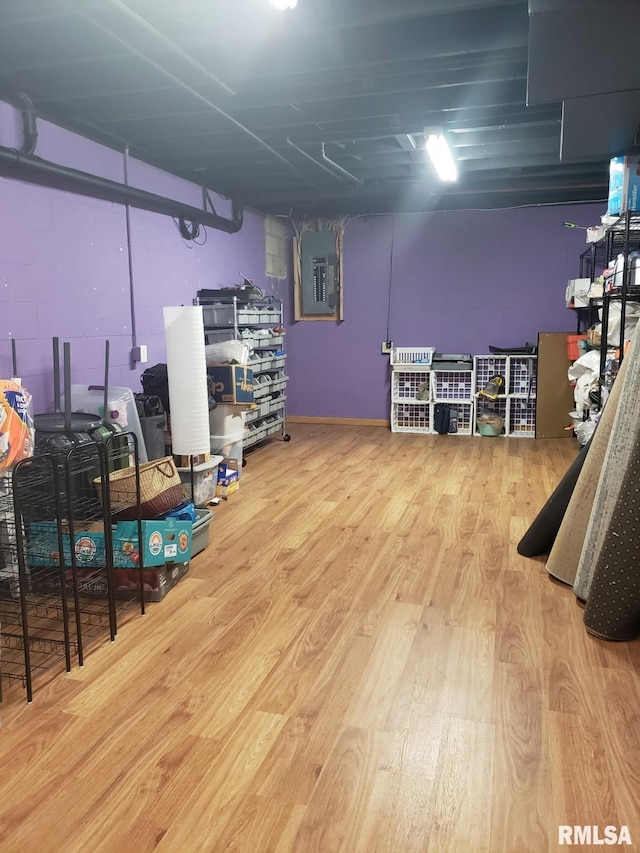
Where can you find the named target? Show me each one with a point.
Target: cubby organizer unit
(517, 404)
(417, 387)
(411, 417)
(521, 417)
(450, 385)
(411, 385)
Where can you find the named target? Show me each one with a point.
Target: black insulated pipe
(34, 170)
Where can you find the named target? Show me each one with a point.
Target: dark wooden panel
(555, 395)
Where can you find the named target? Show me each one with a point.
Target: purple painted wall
(64, 270)
(460, 282)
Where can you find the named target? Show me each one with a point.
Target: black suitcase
(441, 418)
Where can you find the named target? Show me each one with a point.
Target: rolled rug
(541, 535)
(565, 554)
(613, 608)
(625, 432)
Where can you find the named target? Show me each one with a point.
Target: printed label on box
(155, 543)
(85, 550)
(170, 551)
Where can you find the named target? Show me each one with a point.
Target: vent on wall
(275, 241)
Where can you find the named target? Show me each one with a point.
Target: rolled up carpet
(542, 533)
(613, 607)
(567, 548)
(625, 432)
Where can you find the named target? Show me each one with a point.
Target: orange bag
(17, 434)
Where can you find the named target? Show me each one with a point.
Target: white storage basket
(420, 356)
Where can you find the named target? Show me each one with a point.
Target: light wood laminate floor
(360, 661)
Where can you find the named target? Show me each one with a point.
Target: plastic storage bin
(575, 347)
(226, 420)
(227, 425)
(122, 409)
(230, 447)
(200, 538)
(205, 480)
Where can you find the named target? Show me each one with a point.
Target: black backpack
(156, 384)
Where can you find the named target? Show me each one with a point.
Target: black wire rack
(622, 237)
(57, 596)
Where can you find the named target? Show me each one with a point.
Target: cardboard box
(223, 490)
(185, 461)
(231, 383)
(228, 481)
(163, 541)
(624, 185)
(156, 582)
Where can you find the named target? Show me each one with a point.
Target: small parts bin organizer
(259, 323)
(420, 386)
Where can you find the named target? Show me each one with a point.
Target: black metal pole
(56, 374)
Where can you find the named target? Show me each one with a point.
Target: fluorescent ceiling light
(441, 157)
(285, 4)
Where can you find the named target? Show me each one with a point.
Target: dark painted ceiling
(217, 90)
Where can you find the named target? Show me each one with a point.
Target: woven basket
(160, 490)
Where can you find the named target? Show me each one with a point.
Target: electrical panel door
(319, 267)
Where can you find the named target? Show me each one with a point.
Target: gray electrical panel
(320, 283)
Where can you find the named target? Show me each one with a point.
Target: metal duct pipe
(29, 127)
(337, 168)
(34, 170)
(312, 159)
(72, 4)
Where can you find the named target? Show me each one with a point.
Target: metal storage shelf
(620, 238)
(616, 240)
(276, 383)
(54, 606)
(263, 365)
(260, 324)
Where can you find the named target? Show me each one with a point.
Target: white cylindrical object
(187, 375)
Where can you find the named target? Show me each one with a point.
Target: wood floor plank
(578, 750)
(378, 686)
(522, 802)
(360, 661)
(461, 816)
(395, 816)
(341, 798)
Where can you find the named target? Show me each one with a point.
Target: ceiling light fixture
(441, 156)
(284, 4)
